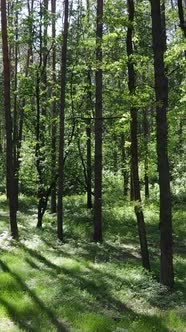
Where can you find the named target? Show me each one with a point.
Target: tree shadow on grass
(75, 282)
(159, 297)
(41, 305)
(106, 252)
(96, 284)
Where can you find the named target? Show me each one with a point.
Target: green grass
(80, 286)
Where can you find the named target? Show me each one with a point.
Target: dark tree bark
(161, 90)
(53, 168)
(10, 171)
(62, 126)
(146, 164)
(183, 27)
(134, 143)
(98, 127)
(182, 17)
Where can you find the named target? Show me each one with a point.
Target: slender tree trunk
(53, 169)
(146, 164)
(134, 144)
(161, 90)
(10, 172)
(37, 151)
(89, 137)
(89, 166)
(41, 113)
(181, 13)
(124, 166)
(98, 127)
(131, 183)
(44, 60)
(88, 128)
(62, 127)
(15, 117)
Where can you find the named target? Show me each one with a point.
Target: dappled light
(83, 286)
(92, 166)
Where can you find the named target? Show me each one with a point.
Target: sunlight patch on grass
(91, 287)
(5, 240)
(93, 323)
(8, 325)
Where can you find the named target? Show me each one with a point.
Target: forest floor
(82, 286)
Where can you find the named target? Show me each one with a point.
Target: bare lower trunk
(161, 89)
(146, 164)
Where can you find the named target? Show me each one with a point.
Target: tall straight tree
(98, 127)
(161, 90)
(15, 115)
(146, 164)
(10, 171)
(88, 127)
(134, 141)
(53, 143)
(62, 125)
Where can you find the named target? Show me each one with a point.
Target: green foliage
(98, 287)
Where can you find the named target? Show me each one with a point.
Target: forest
(92, 166)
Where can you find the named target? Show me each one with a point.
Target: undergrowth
(81, 286)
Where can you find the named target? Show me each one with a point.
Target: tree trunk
(10, 172)
(89, 166)
(38, 151)
(146, 164)
(134, 144)
(62, 127)
(88, 133)
(88, 127)
(15, 122)
(161, 90)
(98, 127)
(181, 17)
(124, 166)
(53, 168)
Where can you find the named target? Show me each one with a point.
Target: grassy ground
(83, 286)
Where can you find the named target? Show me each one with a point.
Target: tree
(10, 167)
(53, 130)
(62, 126)
(98, 127)
(182, 17)
(161, 91)
(134, 142)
